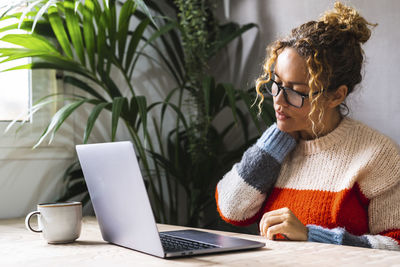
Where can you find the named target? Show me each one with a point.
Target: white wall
(27, 176)
(376, 102)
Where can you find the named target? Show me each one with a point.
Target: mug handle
(27, 220)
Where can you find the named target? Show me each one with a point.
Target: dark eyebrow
(291, 82)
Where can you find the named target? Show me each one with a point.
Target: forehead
(290, 66)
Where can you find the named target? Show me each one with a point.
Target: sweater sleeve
(381, 185)
(242, 191)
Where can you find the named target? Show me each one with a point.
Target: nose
(280, 99)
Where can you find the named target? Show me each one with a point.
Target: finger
(266, 215)
(276, 229)
(278, 212)
(269, 221)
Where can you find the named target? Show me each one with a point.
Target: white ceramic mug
(58, 222)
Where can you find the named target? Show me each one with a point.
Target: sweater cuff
(276, 143)
(323, 235)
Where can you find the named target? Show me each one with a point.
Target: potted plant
(90, 41)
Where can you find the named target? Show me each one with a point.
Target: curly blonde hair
(332, 50)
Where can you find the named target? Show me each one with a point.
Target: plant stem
(142, 155)
(167, 177)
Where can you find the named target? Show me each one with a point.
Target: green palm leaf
(74, 30)
(145, 10)
(42, 28)
(30, 41)
(123, 25)
(117, 106)
(83, 86)
(17, 53)
(39, 14)
(142, 105)
(38, 106)
(58, 28)
(229, 32)
(230, 92)
(89, 32)
(135, 38)
(175, 108)
(111, 26)
(51, 65)
(154, 36)
(92, 119)
(165, 104)
(27, 10)
(101, 44)
(58, 119)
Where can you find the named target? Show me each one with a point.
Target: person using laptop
(316, 174)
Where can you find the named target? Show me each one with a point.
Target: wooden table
(19, 247)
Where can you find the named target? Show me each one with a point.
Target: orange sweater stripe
(347, 208)
(392, 233)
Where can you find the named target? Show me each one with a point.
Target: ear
(337, 97)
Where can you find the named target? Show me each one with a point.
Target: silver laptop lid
(108, 169)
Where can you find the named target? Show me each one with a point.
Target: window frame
(17, 142)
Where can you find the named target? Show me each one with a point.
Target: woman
(317, 175)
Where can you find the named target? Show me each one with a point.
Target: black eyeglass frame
(284, 89)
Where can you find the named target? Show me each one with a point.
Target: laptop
(123, 210)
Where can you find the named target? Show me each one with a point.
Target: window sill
(40, 153)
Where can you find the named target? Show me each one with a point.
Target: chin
(285, 126)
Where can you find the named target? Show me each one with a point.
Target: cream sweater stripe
(237, 200)
(384, 211)
(353, 152)
(383, 169)
(382, 242)
(242, 191)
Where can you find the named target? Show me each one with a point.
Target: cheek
(299, 119)
(302, 114)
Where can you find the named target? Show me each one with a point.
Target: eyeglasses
(292, 97)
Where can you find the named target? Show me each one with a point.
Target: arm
(242, 191)
(381, 185)
(384, 220)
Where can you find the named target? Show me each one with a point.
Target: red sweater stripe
(346, 208)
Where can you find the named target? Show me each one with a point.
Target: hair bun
(347, 19)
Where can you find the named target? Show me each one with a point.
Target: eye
(300, 90)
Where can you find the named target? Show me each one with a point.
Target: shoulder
(368, 138)
(381, 156)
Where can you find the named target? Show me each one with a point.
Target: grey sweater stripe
(338, 236)
(261, 163)
(259, 169)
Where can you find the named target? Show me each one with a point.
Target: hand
(284, 222)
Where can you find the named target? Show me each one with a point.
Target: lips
(281, 116)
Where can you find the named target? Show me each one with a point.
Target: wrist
(319, 234)
(276, 142)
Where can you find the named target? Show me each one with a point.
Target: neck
(329, 123)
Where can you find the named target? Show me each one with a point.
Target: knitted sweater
(345, 186)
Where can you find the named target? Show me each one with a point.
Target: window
(18, 90)
(15, 96)
(15, 85)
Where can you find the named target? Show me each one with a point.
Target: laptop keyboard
(172, 244)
